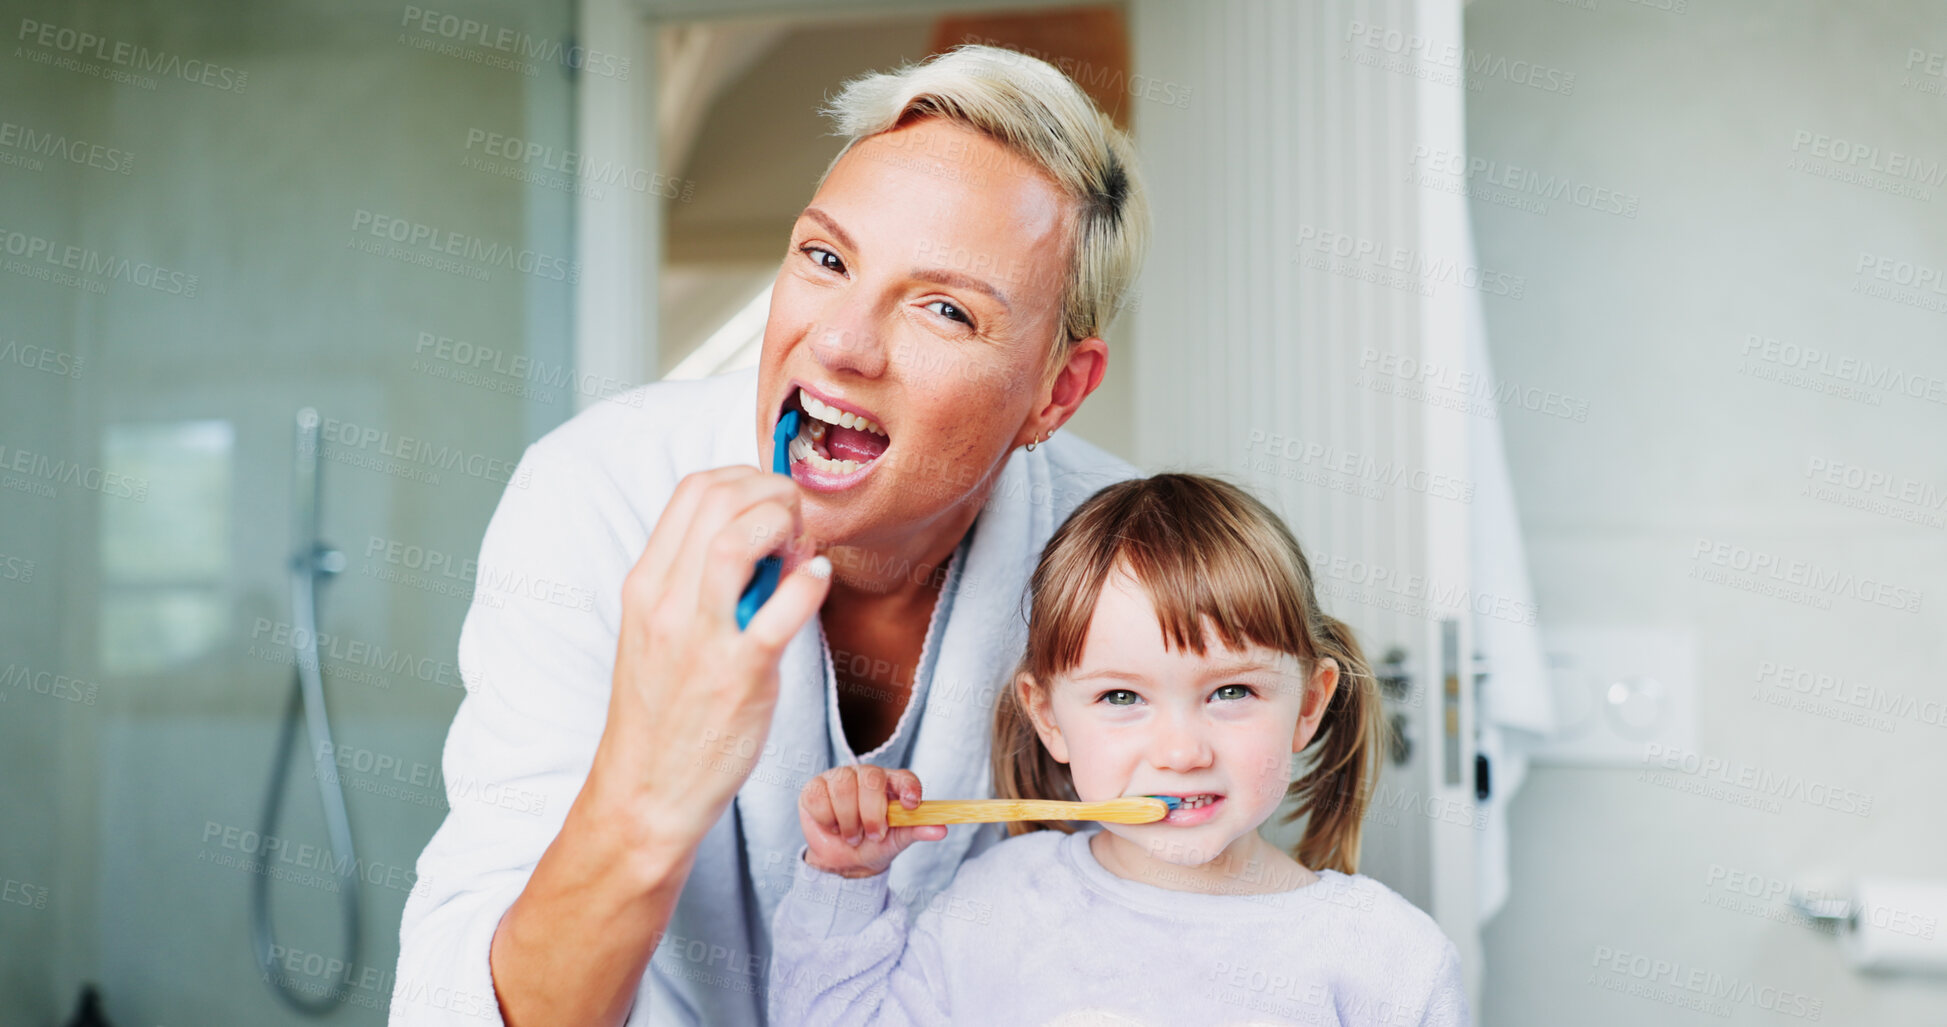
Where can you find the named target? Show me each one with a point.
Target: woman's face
(1138, 718)
(921, 290)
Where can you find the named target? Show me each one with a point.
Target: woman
(624, 771)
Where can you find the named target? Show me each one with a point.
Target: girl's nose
(1180, 743)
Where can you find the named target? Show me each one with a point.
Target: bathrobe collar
(978, 648)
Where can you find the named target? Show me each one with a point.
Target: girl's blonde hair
(1203, 549)
(1041, 115)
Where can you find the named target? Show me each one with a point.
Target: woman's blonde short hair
(1037, 112)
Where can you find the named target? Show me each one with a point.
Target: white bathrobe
(537, 652)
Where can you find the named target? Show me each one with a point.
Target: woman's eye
(818, 255)
(1119, 697)
(951, 311)
(1234, 692)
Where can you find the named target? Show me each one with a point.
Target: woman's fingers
(672, 528)
(722, 501)
(798, 598)
(753, 534)
(682, 670)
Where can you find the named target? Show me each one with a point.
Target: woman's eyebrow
(942, 276)
(831, 226)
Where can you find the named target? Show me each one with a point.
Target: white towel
(1517, 706)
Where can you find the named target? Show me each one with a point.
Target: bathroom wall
(1717, 235)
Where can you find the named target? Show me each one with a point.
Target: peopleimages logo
(577, 165)
(1803, 575)
(63, 149)
(435, 27)
(88, 46)
(418, 237)
(42, 468)
(42, 253)
(1527, 181)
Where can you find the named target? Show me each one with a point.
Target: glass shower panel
(212, 216)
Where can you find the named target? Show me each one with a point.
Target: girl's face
(1137, 718)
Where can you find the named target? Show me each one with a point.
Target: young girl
(1175, 648)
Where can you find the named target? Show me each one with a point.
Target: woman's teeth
(802, 449)
(825, 412)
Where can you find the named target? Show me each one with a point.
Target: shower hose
(313, 562)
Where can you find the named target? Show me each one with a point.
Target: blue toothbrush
(764, 582)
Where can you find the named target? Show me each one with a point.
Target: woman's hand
(689, 708)
(692, 695)
(843, 813)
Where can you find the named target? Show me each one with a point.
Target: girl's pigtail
(1022, 766)
(1345, 767)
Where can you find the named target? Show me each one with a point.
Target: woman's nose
(848, 340)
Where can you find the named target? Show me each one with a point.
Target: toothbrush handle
(762, 584)
(763, 581)
(1138, 810)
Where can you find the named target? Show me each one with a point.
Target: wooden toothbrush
(1135, 809)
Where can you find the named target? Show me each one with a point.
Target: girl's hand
(843, 812)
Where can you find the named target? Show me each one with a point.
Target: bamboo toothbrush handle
(1136, 810)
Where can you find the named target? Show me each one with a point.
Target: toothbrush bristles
(1169, 800)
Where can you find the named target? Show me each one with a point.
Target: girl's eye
(1119, 697)
(818, 255)
(1240, 692)
(956, 313)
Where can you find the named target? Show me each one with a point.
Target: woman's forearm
(573, 947)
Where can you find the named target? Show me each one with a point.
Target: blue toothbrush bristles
(787, 427)
(1169, 800)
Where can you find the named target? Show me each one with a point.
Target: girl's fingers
(872, 802)
(904, 786)
(845, 804)
(817, 805)
(849, 804)
(904, 836)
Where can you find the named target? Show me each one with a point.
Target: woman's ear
(1035, 700)
(1080, 370)
(1318, 699)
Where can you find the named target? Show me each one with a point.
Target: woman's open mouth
(834, 448)
(1193, 810)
